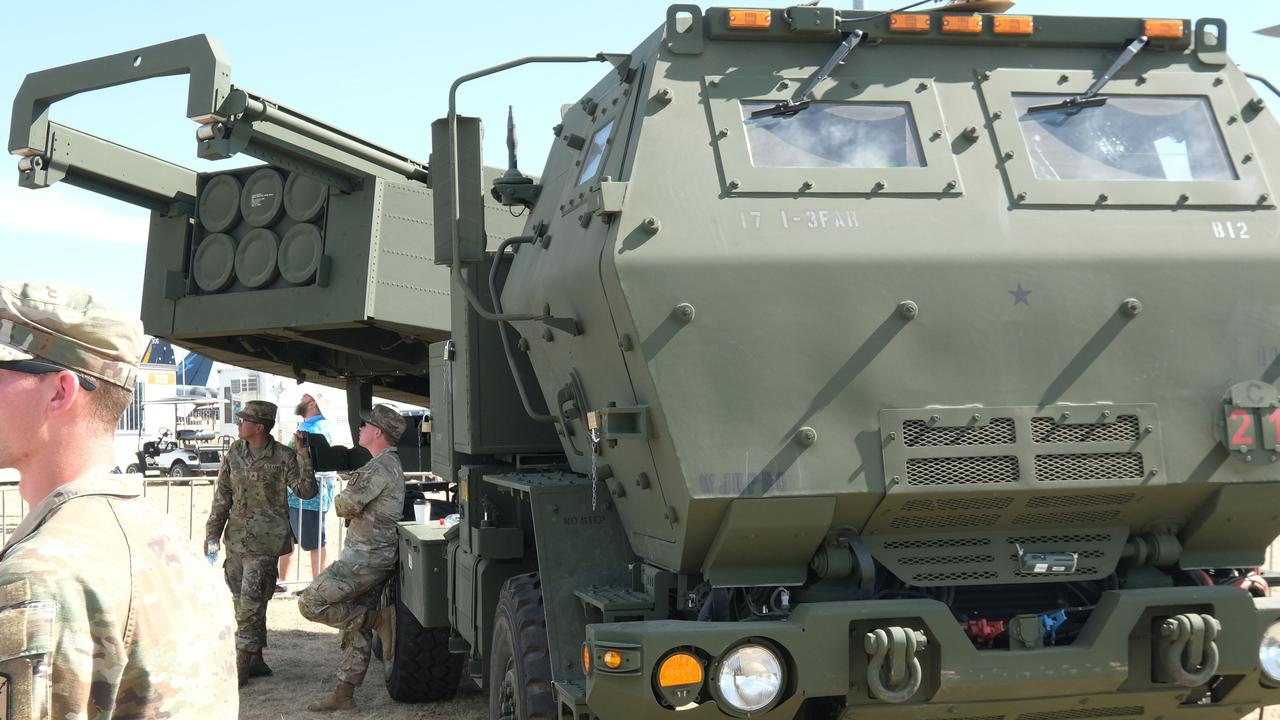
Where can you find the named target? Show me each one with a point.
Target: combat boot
(343, 699)
(243, 660)
(257, 666)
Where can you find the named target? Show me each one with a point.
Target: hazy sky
(378, 69)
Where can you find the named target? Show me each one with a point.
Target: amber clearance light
(611, 659)
(1162, 28)
(909, 22)
(586, 659)
(1013, 24)
(750, 19)
(961, 23)
(679, 669)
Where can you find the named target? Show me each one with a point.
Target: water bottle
(211, 552)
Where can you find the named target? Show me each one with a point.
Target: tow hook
(893, 673)
(1186, 651)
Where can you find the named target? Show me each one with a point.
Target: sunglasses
(35, 367)
(241, 421)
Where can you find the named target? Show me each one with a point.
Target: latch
(893, 673)
(1186, 649)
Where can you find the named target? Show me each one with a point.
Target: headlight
(1269, 653)
(749, 678)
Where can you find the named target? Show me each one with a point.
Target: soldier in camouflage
(98, 590)
(345, 595)
(251, 514)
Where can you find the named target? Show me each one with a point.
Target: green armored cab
(886, 365)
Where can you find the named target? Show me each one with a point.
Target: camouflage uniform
(344, 595)
(98, 589)
(250, 502)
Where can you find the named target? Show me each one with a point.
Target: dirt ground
(304, 656)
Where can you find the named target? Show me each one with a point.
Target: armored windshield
(1129, 138)
(595, 154)
(851, 135)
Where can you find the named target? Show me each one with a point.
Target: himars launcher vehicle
(886, 365)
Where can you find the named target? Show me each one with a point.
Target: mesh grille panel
(1101, 466)
(955, 576)
(944, 521)
(1066, 518)
(939, 543)
(1081, 572)
(1050, 501)
(984, 503)
(946, 559)
(1077, 713)
(918, 433)
(963, 471)
(1042, 539)
(1124, 429)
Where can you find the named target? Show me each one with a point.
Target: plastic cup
(422, 511)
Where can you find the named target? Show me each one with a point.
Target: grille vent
(943, 521)
(947, 559)
(1080, 713)
(1055, 501)
(936, 543)
(1081, 538)
(1066, 518)
(955, 576)
(918, 433)
(942, 504)
(962, 471)
(1124, 429)
(1100, 466)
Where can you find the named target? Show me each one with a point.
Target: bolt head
(806, 436)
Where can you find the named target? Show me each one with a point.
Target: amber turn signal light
(679, 669)
(1162, 28)
(909, 22)
(611, 659)
(750, 19)
(586, 659)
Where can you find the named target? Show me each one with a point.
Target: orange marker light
(680, 669)
(1162, 28)
(1013, 24)
(909, 22)
(750, 19)
(961, 23)
(586, 658)
(611, 659)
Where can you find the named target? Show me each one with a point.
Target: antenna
(512, 165)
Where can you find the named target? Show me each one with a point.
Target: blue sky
(381, 71)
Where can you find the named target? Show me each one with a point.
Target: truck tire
(520, 659)
(418, 667)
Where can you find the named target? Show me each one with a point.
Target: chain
(595, 454)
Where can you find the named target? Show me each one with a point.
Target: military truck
(840, 363)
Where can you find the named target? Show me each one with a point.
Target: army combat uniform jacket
(345, 595)
(106, 610)
(251, 501)
(374, 502)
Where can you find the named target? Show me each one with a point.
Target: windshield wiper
(1090, 97)
(787, 108)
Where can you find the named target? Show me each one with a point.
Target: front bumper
(1107, 672)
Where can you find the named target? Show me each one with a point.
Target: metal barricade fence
(188, 501)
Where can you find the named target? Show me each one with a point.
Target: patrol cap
(259, 411)
(386, 419)
(69, 327)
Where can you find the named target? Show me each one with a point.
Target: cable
(904, 8)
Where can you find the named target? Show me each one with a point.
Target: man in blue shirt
(306, 517)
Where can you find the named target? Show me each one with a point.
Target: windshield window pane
(596, 154)
(1129, 138)
(852, 135)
